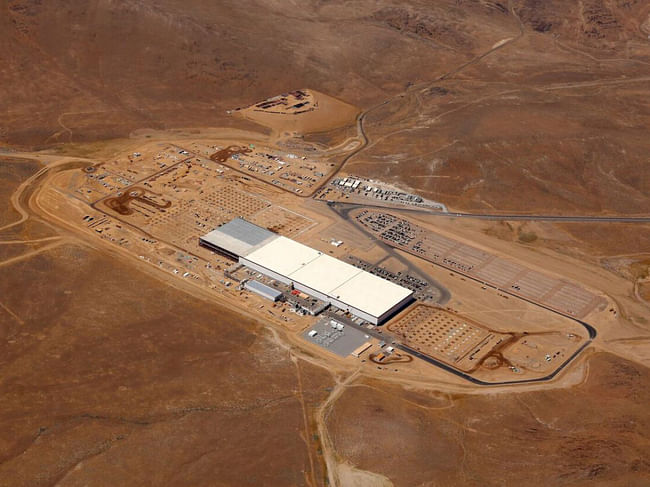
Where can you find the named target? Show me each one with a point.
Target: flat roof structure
(283, 255)
(237, 237)
(370, 293)
(263, 290)
(347, 287)
(357, 353)
(325, 273)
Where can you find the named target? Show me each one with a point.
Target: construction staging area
(293, 103)
(285, 170)
(353, 189)
(193, 212)
(445, 336)
(299, 111)
(473, 347)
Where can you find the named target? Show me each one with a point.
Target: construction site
(298, 112)
(325, 244)
(488, 354)
(293, 103)
(353, 189)
(228, 217)
(288, 171)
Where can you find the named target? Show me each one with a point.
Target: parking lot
(513, 277)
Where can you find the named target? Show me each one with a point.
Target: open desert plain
(307, 243)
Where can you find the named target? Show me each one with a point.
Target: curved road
(342, 209)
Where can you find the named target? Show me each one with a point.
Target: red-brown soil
(111, 377)
(506, 147)
(591, 434)
(13, 171)
(553, 104)
(644, 291)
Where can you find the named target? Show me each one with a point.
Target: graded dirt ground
(480, 303)
(323, 114)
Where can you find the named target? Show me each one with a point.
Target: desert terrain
(492, 157)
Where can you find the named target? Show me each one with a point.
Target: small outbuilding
(263, 290)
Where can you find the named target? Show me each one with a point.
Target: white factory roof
(327, 275)
(324, 273)
(312, 269)
(370, 293)
(283, 255)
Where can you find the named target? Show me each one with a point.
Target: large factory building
(363, 294)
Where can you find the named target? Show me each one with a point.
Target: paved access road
(547, 218)
(497, 216)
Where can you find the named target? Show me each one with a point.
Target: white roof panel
(337, 279)
(370, 293)
(283, 256)
(324, 273)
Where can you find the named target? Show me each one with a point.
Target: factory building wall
(311, 292)
(395, 309)
(217, 249)
(356, 312)
(328, 299)
(307, 290)
(375, 320)
(239, 240)
(265, 271)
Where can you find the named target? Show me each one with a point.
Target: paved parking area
(330, 336)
